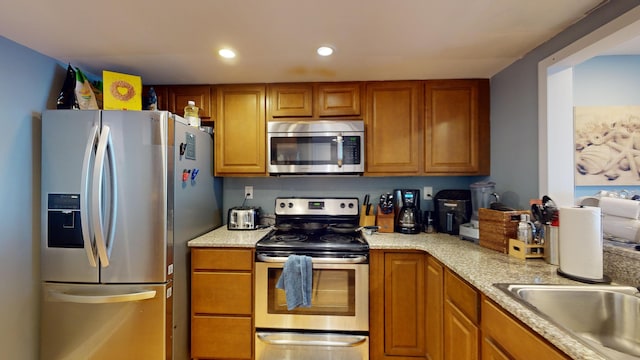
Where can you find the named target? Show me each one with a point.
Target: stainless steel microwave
(315, 147)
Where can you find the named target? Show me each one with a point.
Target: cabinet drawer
(462, 295)
(517, 340)
(221, 293)
(222, 259)
(221, 337)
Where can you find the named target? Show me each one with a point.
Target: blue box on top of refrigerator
(122, 194)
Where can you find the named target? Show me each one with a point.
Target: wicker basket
(497, 227)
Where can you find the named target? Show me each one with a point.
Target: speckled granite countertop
(479, 266)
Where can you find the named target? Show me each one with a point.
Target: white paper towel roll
(581, 242)
(620, 207)
(621, 228)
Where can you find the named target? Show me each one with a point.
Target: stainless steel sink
(604, 317)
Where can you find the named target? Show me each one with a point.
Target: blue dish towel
(296, 281)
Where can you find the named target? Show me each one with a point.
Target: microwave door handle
(87, 230)
(340, 145)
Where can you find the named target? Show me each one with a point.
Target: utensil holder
(524, 251)
(385, 221)
(366, 220)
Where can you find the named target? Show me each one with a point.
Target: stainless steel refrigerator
(122, 194)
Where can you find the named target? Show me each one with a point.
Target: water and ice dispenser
(63, 221)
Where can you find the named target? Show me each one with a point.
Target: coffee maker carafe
(407, 220)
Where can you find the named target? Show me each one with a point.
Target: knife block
(366, 220)
(385, 221)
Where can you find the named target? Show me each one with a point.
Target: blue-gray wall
(514, 110)
(606, 81)
(266, 189)
(25, 90)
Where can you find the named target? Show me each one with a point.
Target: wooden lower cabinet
(504, 337)
(435, 308)
(221, 303)
(221, 337)
(461, 319)
(397, 305)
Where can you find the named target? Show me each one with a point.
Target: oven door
(339, 298)
(315, 153)
(289, 345)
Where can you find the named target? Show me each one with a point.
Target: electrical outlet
(248, 192)
(427, 193)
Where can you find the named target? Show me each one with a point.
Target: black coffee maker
(407, 215)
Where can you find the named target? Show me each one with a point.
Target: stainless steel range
(336, 324)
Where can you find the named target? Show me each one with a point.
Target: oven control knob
(350, 205)
(290, 205)
(281, 205)
(342, 205)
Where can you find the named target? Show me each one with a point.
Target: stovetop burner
(313, 238)
(325, 241)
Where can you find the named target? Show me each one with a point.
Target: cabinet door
(457, 127)
(397, 305)
(393, 129)
(240, 130)
(290, 100)
(490, 351)
(434, 309)
(221, 293)
(179, 95)
(221, 337)
(461, 336)
(512, 337)
(338, 99)
(404, 304)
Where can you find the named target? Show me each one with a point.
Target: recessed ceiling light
(325, 50)
(227, 53)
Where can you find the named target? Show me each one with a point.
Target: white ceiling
(175, 42)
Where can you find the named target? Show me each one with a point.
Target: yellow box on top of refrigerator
(121, 91)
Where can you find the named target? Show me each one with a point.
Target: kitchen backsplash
(266, 189)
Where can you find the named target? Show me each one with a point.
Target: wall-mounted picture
(607, 145)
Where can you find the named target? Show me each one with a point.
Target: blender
(481, 194)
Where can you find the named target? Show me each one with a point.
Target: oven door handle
(356, 259)
(277, 339)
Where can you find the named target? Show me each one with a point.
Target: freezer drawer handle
(276, 339)
(101, 299)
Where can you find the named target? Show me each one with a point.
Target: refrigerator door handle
(104, 243)
(87, 230)
(84, 298)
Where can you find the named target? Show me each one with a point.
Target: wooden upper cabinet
(240, 130)
(393, 127)
(339, 99)
(314, 100)
(179, 95)
(290, 100)
(456, 128)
